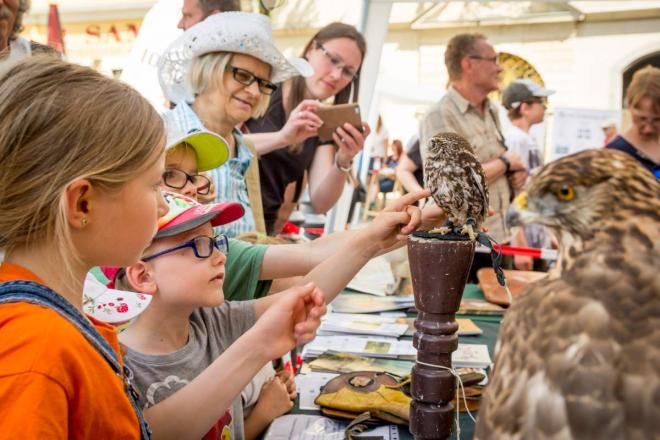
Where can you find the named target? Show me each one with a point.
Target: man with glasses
(473, 68)
(525, 102)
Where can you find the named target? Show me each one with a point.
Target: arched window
(514, 67)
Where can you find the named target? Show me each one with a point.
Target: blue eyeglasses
(202, 246)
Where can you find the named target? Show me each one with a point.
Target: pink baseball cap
(186, 214)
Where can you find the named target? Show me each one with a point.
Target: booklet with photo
(362, 303)
(479, 307)
(367, 346)
(471, 356)
(361, 324)
(309, 427)
(466, 327)
(467, 355)
(335, 362)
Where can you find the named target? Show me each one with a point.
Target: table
(490, 326)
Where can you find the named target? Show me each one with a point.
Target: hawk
(578, 355)
(457, 182)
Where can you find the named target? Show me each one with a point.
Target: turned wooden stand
(439, 268)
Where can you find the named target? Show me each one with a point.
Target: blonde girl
(82, 159)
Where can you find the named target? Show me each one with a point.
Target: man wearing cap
(525, 102)
(472, 65)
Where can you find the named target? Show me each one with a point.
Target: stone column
(439, 269)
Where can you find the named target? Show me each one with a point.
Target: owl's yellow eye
(565, 193)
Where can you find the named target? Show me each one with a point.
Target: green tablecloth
(490, 326)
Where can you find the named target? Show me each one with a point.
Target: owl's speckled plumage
(456, 179)
(578, 355)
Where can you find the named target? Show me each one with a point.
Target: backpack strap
(34, 293)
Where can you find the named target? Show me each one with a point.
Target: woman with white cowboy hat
(219, 74)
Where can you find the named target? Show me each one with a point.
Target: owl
(578, 354)
(457, 182)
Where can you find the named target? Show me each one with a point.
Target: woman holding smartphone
(285, 137)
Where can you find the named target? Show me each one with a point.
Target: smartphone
(334, 116)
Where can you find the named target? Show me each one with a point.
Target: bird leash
(496, 259)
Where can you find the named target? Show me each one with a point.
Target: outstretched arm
(387, 230)
(287, 260)
(404, 172)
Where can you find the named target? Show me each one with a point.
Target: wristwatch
(341, 168)
(507, 163)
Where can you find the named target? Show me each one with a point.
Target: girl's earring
(84, 221)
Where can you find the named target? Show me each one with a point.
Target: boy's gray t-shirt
(212, 331)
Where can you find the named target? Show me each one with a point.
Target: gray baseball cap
(523, 90)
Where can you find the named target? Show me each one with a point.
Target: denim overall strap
(34, 293)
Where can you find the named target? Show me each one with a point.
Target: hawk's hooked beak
(517, 211)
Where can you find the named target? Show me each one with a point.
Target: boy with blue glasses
(174, 347)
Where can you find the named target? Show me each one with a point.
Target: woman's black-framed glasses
(178, 179)
(247, 78)
(202, 246)
(348, 72)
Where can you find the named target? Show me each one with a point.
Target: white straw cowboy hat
(238, 32)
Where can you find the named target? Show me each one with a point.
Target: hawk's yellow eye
(565, 193)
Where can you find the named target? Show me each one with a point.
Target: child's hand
(291, 320)
(397, 220)
(287, 378)
(273, 400)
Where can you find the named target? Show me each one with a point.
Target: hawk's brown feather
(579, 353)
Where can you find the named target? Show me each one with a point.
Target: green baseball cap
(211, 148)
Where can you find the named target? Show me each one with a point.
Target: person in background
(642, 139)
(379, 142)
(194, 11)
(285, 137)
(609, 131)
(223, 81)
(410, 170)
(13, 47)
(474, 70)
(525, 102)
(387, 173)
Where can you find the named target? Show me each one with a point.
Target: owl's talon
(444, 230)
(468, 230)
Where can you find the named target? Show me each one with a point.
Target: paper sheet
(309, 387)
(306, 427)
(374, 278)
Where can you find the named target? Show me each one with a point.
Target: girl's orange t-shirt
(53, 383)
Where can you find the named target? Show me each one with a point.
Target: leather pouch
(351, 394)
